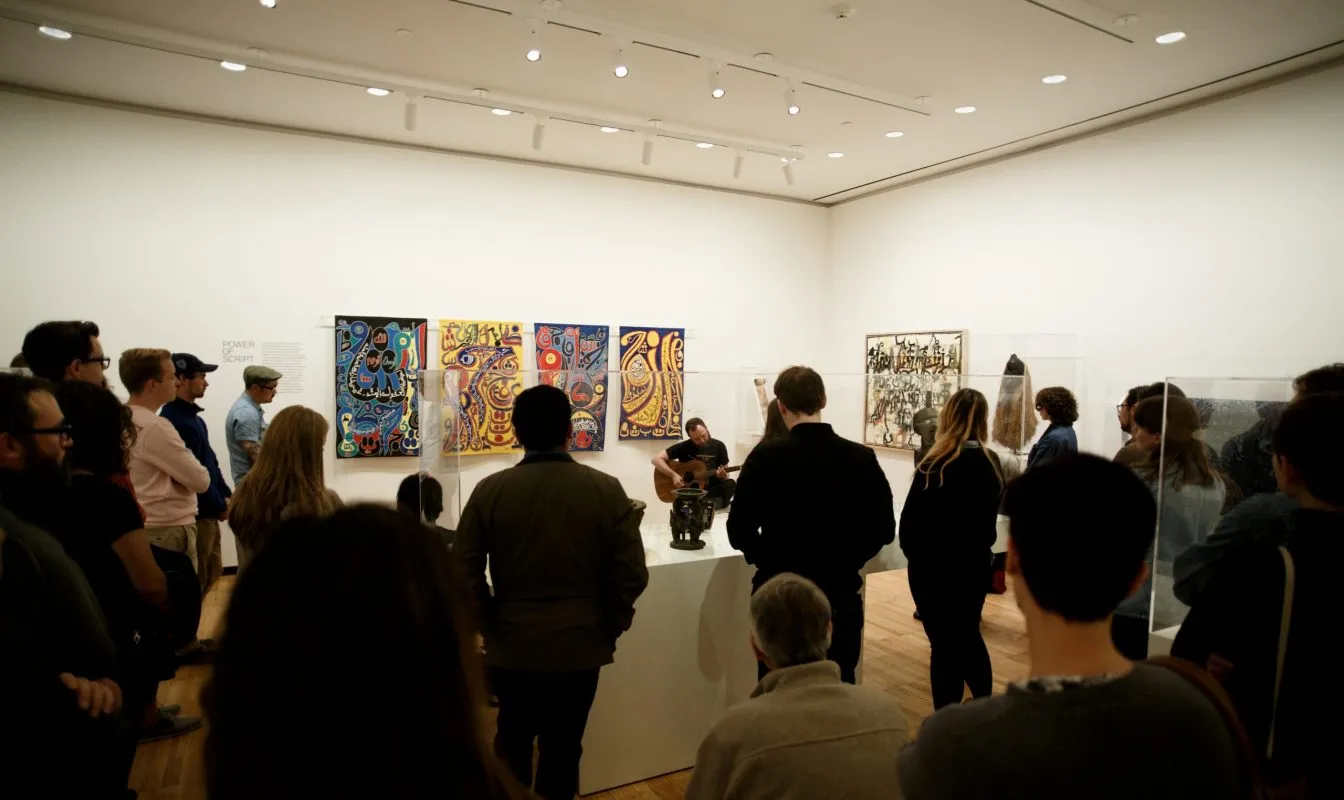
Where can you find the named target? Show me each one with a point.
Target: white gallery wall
(1206, 243)
(184, 235)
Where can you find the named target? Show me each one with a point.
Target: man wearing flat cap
(246, 423)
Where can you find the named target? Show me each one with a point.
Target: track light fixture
(788, 171)
(533, 41)
(716, 89)
(412, 118)
(646, 157)
(737, 166)
(620, 69)
(539, 132)
(792, 100)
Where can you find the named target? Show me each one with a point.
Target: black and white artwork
(904, 373)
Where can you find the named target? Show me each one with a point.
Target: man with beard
(51, 629)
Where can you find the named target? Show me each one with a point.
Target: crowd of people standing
(361, 644)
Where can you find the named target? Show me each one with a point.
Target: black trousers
(949, 598)
(721, 491)
(550, 709)
(846, 635)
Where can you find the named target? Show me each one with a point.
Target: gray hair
(790, 619)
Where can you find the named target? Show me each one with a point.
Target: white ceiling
(856, 78)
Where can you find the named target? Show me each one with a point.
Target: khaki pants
(209, 558)
(179, 539)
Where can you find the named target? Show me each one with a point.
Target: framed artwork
(652, 382)
(481, 362)
(573, 358)
(378, 363)
(906, 372)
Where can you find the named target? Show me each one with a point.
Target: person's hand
(677, 482)
(101, 696)
(722, 474)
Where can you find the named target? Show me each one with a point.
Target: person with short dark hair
(212, 505)
(19, 362)
(802, 719)
(348, 668)
(245, 424)
(566, 565)
(1059, 407)
(824, 528)
(1124, 413)
(68, 350)
(1237, 625)
(421, 496)
(1265, 517)
(700, 446)
(1087, 722)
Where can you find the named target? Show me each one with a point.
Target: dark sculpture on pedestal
(692, 515)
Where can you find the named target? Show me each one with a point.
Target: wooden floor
(896, 660)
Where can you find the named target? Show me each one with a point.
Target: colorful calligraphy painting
(907, 372)
(481, 362)
(652, 382)
(378, 363)
(574, 358)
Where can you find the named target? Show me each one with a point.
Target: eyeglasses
(271, 388)
(1121, 407)
(65, 430)
(105, 361)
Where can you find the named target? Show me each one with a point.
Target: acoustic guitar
(694, 473)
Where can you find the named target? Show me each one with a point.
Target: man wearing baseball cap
(212, 505)
(246, 424)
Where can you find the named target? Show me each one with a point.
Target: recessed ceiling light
(1171, 38)
(267, 3)
(835, 155)
(55, 33)
(609, 129)
(1054, 79)
(233, 66)
(894, 134)
(703, 145)
(965, 109)
(376, 92)
(500, 112)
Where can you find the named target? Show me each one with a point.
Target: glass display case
(1211, 453)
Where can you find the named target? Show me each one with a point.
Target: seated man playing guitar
(700, 447)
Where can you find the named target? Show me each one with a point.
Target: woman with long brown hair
(349, 669)
(1190, 494)
(286, 481)
(947, 531)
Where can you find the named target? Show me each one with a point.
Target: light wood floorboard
(896, 660)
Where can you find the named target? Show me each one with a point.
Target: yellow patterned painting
(652, 382)
(481, 362)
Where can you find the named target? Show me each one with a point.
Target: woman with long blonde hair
(947, 532)
(286, 481)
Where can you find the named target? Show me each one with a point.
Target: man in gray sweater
(1088, 722)
(803, 734)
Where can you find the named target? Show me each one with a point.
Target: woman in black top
(104, 533)
(947, 532)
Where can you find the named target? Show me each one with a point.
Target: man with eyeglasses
(52, 633)
(245, 426)
(66, 350)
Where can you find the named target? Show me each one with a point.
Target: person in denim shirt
(1059, 407)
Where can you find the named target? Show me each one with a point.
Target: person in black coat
(817, 505)
(947, 532)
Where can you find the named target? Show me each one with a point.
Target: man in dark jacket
(212, 505)
(1235, 628)
(817, 505)
(566, 565)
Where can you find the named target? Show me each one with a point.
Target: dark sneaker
(168, 727)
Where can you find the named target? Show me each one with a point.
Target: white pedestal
(684, 661)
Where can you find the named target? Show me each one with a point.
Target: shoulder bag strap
(1285, 625)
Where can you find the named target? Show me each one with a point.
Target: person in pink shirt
(166, 475)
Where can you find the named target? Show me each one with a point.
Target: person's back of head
(421, 496)
(105, 431)
(1159, 389)
(1329, 378)
(52, 347)
(790, 622)
(1308, 442)
(348, 668)
(541, 418)
(1080, 529)
(800, 391)
(287, 476)
(1059, 403)
(1182, 454)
